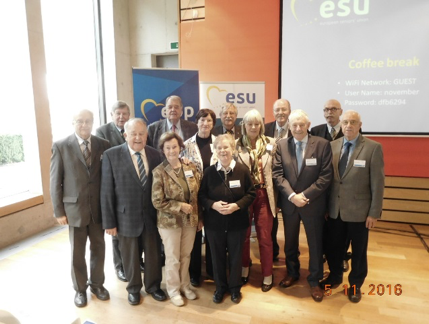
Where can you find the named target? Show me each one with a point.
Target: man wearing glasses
(332, 129)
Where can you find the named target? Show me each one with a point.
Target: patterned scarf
(254, 154)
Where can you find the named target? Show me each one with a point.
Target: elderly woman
(174, 194)
(256, 152)
(226, 193)
(198, 149)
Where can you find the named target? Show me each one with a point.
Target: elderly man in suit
(278, 129)
(127, 208)
(75, 192)
(172, 123)
(228, 116)
(114, 133)
(355, 202)
(302, 172)
(332, 129)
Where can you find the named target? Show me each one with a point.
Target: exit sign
(174, 45)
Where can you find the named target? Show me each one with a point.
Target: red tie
(174, 128)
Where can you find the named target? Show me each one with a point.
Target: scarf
(254, 154)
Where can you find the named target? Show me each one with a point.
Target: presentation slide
(371, 55)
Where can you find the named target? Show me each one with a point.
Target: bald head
(332, 112)
(281, 110)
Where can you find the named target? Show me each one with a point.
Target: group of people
(156, 188)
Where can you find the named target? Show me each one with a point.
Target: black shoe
(142, 266)
(265, 287)
(236, 297)
(134, 298)
(121, 275)
(80, 299)
(245, 280)
(345, 265)
(195, 282)
(159, 295)
(100, 292)
(330, 283)
(354, 298)
(218, 297)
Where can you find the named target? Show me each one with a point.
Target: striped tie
(333, 133)
(142, 173)
(87, 154)
(281, 133)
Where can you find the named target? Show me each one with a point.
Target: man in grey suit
(302, 172)
(332, 129)
(127, 208)
(278, 129)
(75, 192)
(228, 116)
(173, 123)
(355, 202)
(114, 133)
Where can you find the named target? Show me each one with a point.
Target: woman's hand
(225, 208)
(186, 208)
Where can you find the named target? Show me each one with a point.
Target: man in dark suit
(355, 202)
(302, 172)
(278, 129)
(332, 129)
(114, 133)
(228, 116)
(127, 208)
(173, 123)
(75, 192)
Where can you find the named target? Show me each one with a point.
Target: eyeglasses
(351, 122)
(333, 109)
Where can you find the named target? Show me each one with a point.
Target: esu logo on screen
(343, 8)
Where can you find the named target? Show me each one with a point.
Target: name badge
(189, 174)
(234, 184)
(269, 147)
(359, 163)
(311, 162)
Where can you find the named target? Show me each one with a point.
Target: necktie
(142, 172)
(122, 133)
(87, 154)
(281, 134)
(344, 158)
(173, 128)
(333, 133)
(299, 155)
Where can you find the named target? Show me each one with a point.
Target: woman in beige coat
(175, 196)
(256, 151)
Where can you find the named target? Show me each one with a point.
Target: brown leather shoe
(317, 293)
(287, 282)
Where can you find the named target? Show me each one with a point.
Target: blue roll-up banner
(153, 86)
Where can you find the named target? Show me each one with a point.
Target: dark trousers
(78, 237)
(117, 259)
(338, 231)
(276, 247)
(313, 225)
(196, 260)
(131, 254)
(227, 250)
(260, 211)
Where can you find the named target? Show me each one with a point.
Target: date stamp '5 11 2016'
(374, 290)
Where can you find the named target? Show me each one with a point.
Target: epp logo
(146, 101)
